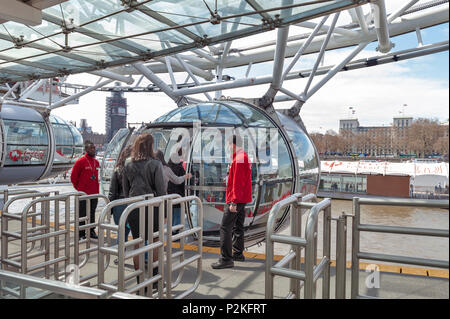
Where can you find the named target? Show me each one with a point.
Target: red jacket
(82, 175)
(239, 185)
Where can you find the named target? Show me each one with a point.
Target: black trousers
(232, 232)
(83, 205)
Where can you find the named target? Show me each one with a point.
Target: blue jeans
(176, 215)
(117, 212)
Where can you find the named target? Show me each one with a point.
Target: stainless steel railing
(312, 272)
(164, 237)
(357, 254)
(87, 226)
(58, 288)
(50, 286)
(341, 255)
(45, 233)
(106, 249)
(8, 217)
(48, 234)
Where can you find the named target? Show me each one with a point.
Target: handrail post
(296, 230)
(309, 268)
(355, 248)
(326, 252)
(169, 249)
(341, 256)
(269, 252)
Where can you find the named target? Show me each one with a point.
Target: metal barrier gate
(358, 227)
(45, 233)
(106, 249)
(312, 271)
(181, 236)
(145, 278)
(66, 290)
(7, 217)
(48, 234)
(86, 227)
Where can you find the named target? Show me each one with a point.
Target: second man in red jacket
(84, 178)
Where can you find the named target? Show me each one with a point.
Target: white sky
(377, 93)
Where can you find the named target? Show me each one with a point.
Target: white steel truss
(207, 63)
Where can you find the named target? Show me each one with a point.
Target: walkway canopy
(55, 38)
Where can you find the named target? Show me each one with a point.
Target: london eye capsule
(35, 145)
(284, 159)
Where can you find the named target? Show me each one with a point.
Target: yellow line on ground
(438, 273)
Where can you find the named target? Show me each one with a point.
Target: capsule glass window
(27, 143)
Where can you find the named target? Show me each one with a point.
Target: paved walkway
(247, 279)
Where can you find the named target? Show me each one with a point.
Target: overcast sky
(377, 93)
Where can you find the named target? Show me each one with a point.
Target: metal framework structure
(131, 40)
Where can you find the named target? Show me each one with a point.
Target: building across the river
(407, 179)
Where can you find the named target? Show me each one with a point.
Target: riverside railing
(358, 228)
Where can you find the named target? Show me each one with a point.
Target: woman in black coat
(116, 188)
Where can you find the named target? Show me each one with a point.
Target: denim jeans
(176, 215)
(117, 212)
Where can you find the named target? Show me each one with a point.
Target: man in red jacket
(84, 178)
(239, 192)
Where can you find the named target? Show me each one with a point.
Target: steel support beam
(193, 77)
(401, 10)
(178, 98)
(75, 96)
(114, 76)
(278, 63)
(321, 53)
(304, 47)
(381, 26)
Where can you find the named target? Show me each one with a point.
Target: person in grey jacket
(169, 175)
(143, 175)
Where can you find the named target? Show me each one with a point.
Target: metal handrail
(7, 216)
(140, 202)
(42, 233)
(87, 227)
(104, 225)
(313, 271)
(358, 227)
(119, 250)
(181, 236)
(298, 203)
(53, 286)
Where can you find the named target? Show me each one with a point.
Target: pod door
(209, 161)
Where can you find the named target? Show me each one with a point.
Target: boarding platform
(44, 258)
